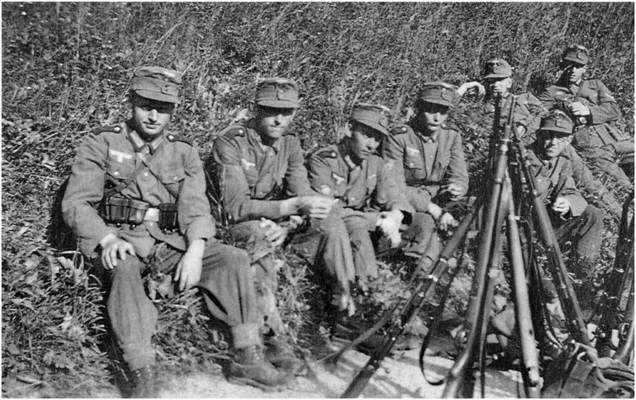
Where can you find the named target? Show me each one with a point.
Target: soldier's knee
(234, 257)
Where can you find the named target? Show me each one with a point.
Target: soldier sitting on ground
(136, 201)
(572, 217)
(258, 166)
(429, 163)
(369, 200)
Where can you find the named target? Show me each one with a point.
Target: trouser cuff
(246, 335)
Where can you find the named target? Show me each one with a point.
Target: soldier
(258, 166)
(573, 218)
(428, 161)
(368, 197)
(136, 198)
(595, 113)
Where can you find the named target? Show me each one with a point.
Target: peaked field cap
(497, 68)
(438, 93)
(157, 83)
(277, 93)
(557, 121)
(372, 115)
(576, 54)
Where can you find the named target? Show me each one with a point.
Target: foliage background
(65, 69)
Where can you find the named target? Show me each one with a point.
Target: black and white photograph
(317, 199)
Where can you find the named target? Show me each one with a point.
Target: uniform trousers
(585, 233)
(226, 284)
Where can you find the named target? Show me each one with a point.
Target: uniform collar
(138, 143)
(429, 138)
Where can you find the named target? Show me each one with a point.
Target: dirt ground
(399, 376)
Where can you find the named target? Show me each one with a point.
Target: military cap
(277, 93)
(557, 121)
(438, 93)
(576, 54)
(157, 83)
(371, 115)
(497, 69)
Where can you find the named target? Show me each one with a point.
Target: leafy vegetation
(65, 70)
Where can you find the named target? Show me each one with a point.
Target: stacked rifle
(550, 365)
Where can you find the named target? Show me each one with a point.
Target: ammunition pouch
(122, 210)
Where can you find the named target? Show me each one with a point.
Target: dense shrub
(65, 70)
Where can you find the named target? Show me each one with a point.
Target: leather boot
(144, 384)
(280, 354)
(250, 367)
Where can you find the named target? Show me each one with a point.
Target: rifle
(395, 326)
(489, 251)
(614, 314)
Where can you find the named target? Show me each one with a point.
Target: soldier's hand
(315, 206)
(434, 210)
(561, 205)
(274, 233)
(189, 267)
(113, 249)
(579, 109)
(389, 223)
(447, 221)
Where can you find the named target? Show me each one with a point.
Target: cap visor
(496, 76)
(374, 126)
(278, 103)
(153, 95)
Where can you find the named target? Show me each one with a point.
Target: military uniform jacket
(253, 177)
(599, 128)
(360, 187)
(554, 179)
(173, 174)
(426, 162)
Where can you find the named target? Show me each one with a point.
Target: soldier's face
(272, 123)
(554, 143)
(364, 141)
(432, 117)
(575, 72)
(151, 117)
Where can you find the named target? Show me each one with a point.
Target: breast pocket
(119, 167)
(413, 159)
(171, 178)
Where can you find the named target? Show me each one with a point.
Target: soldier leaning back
(136, 197)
